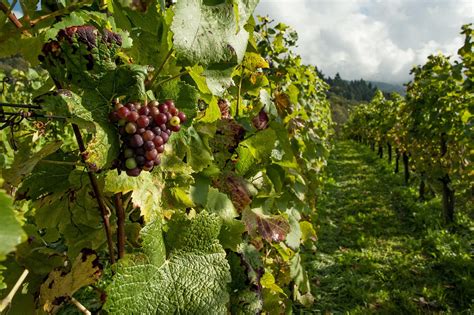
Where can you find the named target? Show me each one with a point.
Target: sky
(378, 40)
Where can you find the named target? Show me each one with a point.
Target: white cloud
(372, 39)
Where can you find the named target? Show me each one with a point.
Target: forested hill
(343, 94)
(389, 87)
(359, 90)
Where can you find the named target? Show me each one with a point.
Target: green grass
(381, 251)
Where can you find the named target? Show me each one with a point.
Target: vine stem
(58, 162)
(162, 65)
(12, 17)
(68, 9)
(173, 77)
(238, 93)
(6, 301)
(80, 307)
(97, 194)
(120, 224)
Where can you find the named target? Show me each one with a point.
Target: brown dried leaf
(273, 228)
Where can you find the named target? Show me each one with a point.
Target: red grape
(135, 172)
(163, 108)
(148, 145)
(148, 135)
(144, 111)
(132, 116)
(122, 112)
(144, 129)
(173, 111)
(152, 154)
(170, 103)
(136, 141)
(175, 128)
(161, 119)
(154, 111)
(182, 117)
(158, 141)
(143, 121)
(156, 131)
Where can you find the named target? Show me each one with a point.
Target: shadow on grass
(371, 258)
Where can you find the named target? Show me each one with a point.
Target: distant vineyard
(431, 128)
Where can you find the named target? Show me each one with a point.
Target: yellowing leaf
(268, 281)
(253, 61)
(60, 286)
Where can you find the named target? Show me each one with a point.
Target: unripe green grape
(130, 163)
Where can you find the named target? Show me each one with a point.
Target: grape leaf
(126, 80)
(300, 277)
(184, 95)
(212, 113)
(146, 190)
(199, 155)
(210, 36)
(256, 149)
(220, 204)
(293, 238)
(273, 228)
(47, 178)
(219, 80)
(26, 161)
(231, 232)
(191, 280)
(11, 233)
(60, 286)
(91, 114)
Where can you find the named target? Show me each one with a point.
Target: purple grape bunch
(144, 130)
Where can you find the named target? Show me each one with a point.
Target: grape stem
(120, 224)
(173, 77)
(8, 299)
(59, 162)
(97, 194)
(60, 12)
(80, 307)
(238, 93)
(162, 65)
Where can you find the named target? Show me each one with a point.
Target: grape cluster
(144, 130)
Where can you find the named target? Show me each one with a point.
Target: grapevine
(191, 164)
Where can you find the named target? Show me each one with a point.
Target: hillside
(389, 87)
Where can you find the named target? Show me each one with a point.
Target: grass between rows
(380, 250)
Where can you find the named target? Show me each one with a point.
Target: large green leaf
(11, 234)
(146, 191)
(90, 113)
(26, 161)
(191, 279)
(210, 36)
(255, 149)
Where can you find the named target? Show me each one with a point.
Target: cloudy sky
(372, 39)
